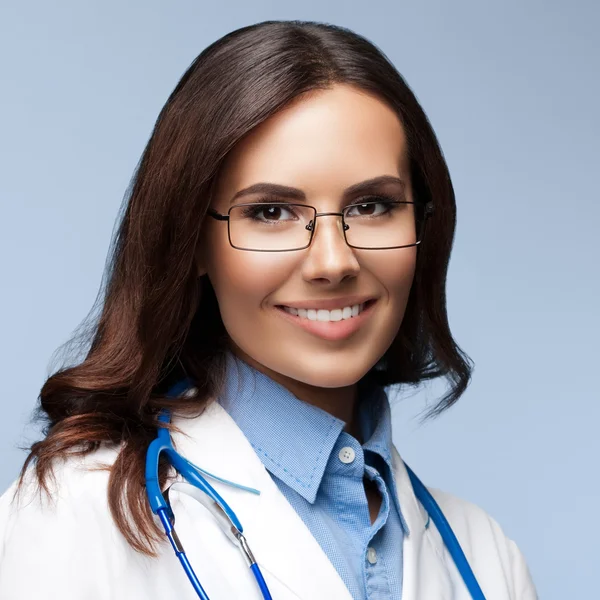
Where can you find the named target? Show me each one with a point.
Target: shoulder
(466, 515)
(492, 554)
(57, 541)
(73, 480)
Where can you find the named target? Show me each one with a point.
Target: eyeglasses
(280, 227)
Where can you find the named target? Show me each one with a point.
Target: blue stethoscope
(198, 487)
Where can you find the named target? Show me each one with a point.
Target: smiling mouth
(325, 316)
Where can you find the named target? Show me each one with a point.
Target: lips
(319, 322)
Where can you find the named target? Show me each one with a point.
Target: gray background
(511, 89)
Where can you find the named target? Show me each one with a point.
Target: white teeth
(337, 314)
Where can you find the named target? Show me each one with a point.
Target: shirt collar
(295, 439)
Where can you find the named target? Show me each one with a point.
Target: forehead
(322, 143)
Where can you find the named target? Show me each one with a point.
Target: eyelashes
(270, 198)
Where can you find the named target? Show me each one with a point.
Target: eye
(268, 212)
(374, 207)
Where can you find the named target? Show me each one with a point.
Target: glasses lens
(270, 226)
(383, 224)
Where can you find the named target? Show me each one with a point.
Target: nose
(330, 260)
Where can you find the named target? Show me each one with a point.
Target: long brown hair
(157, 321)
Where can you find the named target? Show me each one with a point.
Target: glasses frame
(428, 211)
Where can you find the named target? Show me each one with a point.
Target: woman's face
(321, 144)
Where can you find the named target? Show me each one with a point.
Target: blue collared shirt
(320, 469)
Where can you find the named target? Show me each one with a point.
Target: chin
(317, 367)
(319, 372)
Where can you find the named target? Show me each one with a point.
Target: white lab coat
(71, 550)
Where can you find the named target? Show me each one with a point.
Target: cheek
(404, 275)
(243, 281)
(401, 283)
(395, 272)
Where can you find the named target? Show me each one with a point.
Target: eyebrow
(293, 193)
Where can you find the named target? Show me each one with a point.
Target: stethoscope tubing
(181, 555)
(452, 544)
(227, 518)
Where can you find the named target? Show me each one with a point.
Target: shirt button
(372, 555)
(346, 455)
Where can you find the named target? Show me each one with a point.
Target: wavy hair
(156, 321)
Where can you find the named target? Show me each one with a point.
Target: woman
(282, 258)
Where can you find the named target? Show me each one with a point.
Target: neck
(338, 402)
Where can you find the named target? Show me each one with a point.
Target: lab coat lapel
(282, 544)
(425, 575)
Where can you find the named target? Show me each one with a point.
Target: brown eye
(366, 209)
(371, 209)
(272, 213)
(267, 213)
